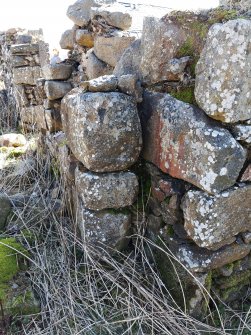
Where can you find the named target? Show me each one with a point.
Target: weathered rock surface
(57, 71)
(94, 66)
(80, 11)
(115, 15)
(236, 4)
(84, 38)
(67, 39)
(5, 209)
(56, 89)
(110, 230)
(198, 259)
(26, 75)
(31, 114)
(242, 133)
(129, 84)
(53, 120)
(101, 84)
(247, 174)
(12, 140)
(129, 61)
(214, 221)
(103, 129)
(110, 48)
(222, 84)
(109, 190)
(182, 141)
(24, 49)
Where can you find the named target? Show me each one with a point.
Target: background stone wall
(164, 115)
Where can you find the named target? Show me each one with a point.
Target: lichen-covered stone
(103, 228)
(110, 48)
(26, 75)
(110, 190)
(130, 84)
(67, 39)
(198, 259)
(24, 49)
(101, 84)
(32, 114)
(56, 89)
(57, 71)
(180, 140)
(84, 38)
(103, 129)
(243, 5)
(5, 209)
(115, 15)
(94, 67)
(242, 133)
(214, 221)
(222, 85)
(129, 61)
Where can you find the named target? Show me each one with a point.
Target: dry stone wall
(165, 117)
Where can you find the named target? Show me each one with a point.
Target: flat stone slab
(27, 75)
(109, 190)
(182, 141)
(214, 221)
(57, 71)
(103, 129)
(222, 87)
(56, 89)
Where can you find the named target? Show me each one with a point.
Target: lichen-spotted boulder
(106, 190)
(223, 80)
(182, 141)
(103, 129)
(214, 221)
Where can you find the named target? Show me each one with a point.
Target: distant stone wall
(166, 118)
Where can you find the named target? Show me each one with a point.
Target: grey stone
(80, 11)
(17, 61)
(5, 209)
(26, 75)
(109, 190)
(94, 66)
(24, 49)
(56, 89)
(242, 133)
(105, 229)
(84, 38)
(67, 39)
(183, 142)
(115, 15)
(101, 84)
(242, 5)
(246, 174)
(53, 120)
(222, 85)
(57, 71)
(129, 61)
(21, 39)
(214, 221)
(247, 237)
(198, 259)
(103, 129)
(31, 114)
(129, 84)
(110, 48)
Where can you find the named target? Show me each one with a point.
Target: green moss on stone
(185, 94)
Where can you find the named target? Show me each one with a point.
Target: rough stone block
(110, 190)
(26, 75)
(103, 129)
(24, 49)
(182, 141)
(84, 38)
(5, 209)
(101, 84)
(67, 39)
(56, 89)
(94, 66)
(57, 71)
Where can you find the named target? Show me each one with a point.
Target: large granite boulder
(214, 221)
(110, 48)
(5, 209)
(222, 74)
(106, 190)
(103, 228)
(103, 129)
(27, 75)
(182, 141)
